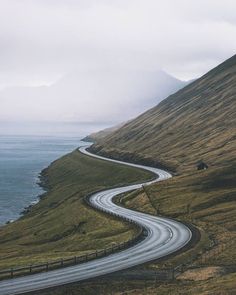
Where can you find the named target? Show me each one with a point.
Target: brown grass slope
(197, 122)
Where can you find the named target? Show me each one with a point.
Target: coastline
(61, 224)
(23, 160)
(42, 183)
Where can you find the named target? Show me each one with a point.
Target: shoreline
(42, 184)
(23, 197)
(43, 232)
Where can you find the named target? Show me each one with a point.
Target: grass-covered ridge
(61, 224)
(197, 122)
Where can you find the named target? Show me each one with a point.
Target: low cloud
(44, 41)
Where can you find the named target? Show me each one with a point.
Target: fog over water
(64, 129)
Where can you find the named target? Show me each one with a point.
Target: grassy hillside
(197, 122)
(61, 225)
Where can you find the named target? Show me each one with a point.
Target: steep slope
(198, 122)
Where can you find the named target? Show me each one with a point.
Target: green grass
(61, 225)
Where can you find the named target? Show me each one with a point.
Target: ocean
(22, 157)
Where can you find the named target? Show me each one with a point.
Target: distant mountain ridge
(89, 96)
(196, 123)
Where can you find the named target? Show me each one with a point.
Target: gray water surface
(21, 160)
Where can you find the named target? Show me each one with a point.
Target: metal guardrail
(142, 233)
(64, 262)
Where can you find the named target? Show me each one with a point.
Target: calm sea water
(21, 160)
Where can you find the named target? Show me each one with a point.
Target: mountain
(196, 123)
(89, 96)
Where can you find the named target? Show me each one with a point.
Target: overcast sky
(41, 41)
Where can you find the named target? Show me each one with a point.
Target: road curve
(165, 236)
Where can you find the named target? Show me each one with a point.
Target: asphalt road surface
(164, 237)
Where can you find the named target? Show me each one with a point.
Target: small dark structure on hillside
(201, 165)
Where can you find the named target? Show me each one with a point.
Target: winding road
(164, 237)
